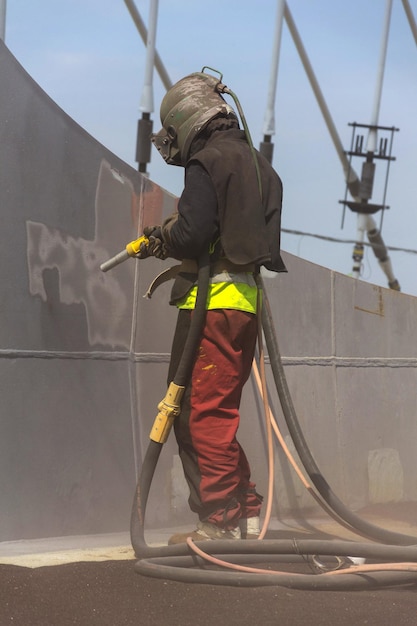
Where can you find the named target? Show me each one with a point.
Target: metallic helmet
(185, 110)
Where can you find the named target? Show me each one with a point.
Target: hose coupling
(168, 409)
(133, 247)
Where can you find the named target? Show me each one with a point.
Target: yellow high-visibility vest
(238, 292)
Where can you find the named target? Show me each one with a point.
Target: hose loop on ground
(183, 563)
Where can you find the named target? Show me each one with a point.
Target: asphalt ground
(111, 593)
(101, 586)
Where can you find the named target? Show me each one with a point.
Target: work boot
(205, 531)
(250, 528)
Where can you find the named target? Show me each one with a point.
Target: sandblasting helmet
(185, 110)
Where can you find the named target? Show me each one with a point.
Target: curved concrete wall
(83, 357)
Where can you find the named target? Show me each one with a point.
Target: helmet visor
(165, 141)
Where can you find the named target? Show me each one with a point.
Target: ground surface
(111, 593)
(100, 586)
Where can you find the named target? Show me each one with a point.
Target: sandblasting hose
(181, 379)
(186, 562)
(358, 525)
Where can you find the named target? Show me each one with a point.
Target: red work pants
(215, 465)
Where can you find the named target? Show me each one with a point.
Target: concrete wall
(83, 357)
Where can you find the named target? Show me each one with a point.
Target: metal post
(350, 175)
(359, 248)
(366, 222)
(410, 18)
(3, 19)
(372, 137)
(146, 103)
(160, 68)
(267, 147)
(143, 145)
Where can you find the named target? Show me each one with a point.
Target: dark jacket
(249, 219)
(221, 202)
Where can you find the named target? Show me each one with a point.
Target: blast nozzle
(131, 249)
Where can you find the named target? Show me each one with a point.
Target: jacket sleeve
(190, 231)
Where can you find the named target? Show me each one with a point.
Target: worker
(231, 209)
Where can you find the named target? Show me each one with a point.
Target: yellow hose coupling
(168, 409)
(133, 247)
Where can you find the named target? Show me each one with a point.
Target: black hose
(311, 582)
(357, 524)
(184, 568)
(180, 563)
(181, 378)
(183, 373)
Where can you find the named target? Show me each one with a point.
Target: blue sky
(88, 56)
